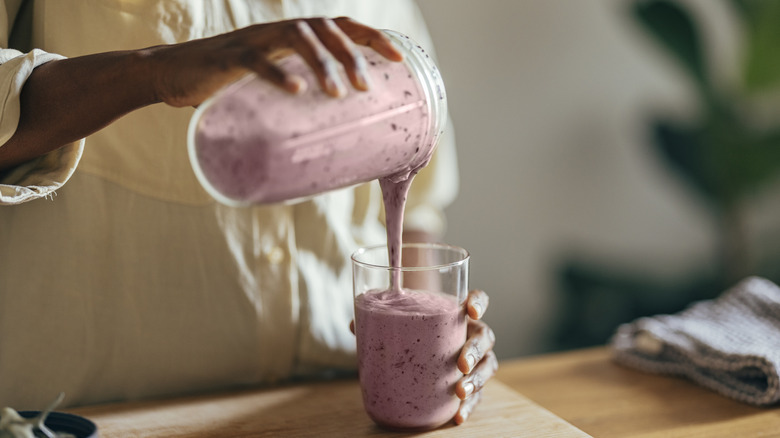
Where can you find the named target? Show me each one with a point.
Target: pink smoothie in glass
(408, 343)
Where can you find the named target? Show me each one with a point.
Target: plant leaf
(685, 151)
(673, 27)
(755, 162)
(747, 9)
(723, 160)
(762, 66)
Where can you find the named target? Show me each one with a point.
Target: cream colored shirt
(122, 279)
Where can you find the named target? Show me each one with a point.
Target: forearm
(66, 100)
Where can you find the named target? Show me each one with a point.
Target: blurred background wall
(574, 220)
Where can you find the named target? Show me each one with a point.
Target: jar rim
(423, 65)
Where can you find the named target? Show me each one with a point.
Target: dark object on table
(67, 423)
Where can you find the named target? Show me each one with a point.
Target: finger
(370, 37)
(478, 344)
(352, 326)
(315, 54)
(272, 73)
(477, 303)
(344, 50)
(466, 408)
(474, 382)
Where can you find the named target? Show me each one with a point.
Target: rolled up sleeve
(41, 177)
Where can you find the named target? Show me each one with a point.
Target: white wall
(549, 99)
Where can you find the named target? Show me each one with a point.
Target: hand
(477, 360)
(479, 346)
(187, 73)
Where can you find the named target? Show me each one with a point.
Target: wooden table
(571, 394)
(325, 409)
(607, 400)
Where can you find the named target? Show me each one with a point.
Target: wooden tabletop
(571, 394)
(323, 409)
(606, 400)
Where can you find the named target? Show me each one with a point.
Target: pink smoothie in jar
(408, 343)
(252, 143)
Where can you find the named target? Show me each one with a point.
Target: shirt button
(275, 255)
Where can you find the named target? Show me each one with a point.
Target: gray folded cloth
(730, 344)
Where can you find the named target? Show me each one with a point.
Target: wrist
(143, 65)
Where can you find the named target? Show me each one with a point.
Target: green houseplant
(725, 155)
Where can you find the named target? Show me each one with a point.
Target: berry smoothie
(243, 153)
(408, 342)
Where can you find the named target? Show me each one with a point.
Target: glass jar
(253, 143)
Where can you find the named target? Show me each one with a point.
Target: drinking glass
(410, 324)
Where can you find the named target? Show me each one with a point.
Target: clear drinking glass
(410, 325)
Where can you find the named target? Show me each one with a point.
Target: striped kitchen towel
(730, 344)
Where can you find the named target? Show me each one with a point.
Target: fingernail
(478, 309)
(468, 388)
(361, 72)
(334, 87)
(362, 80)
(294, 84)
(471, 360)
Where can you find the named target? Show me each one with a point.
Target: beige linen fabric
(131, 282)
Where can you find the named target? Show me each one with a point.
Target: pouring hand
(187, 73)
